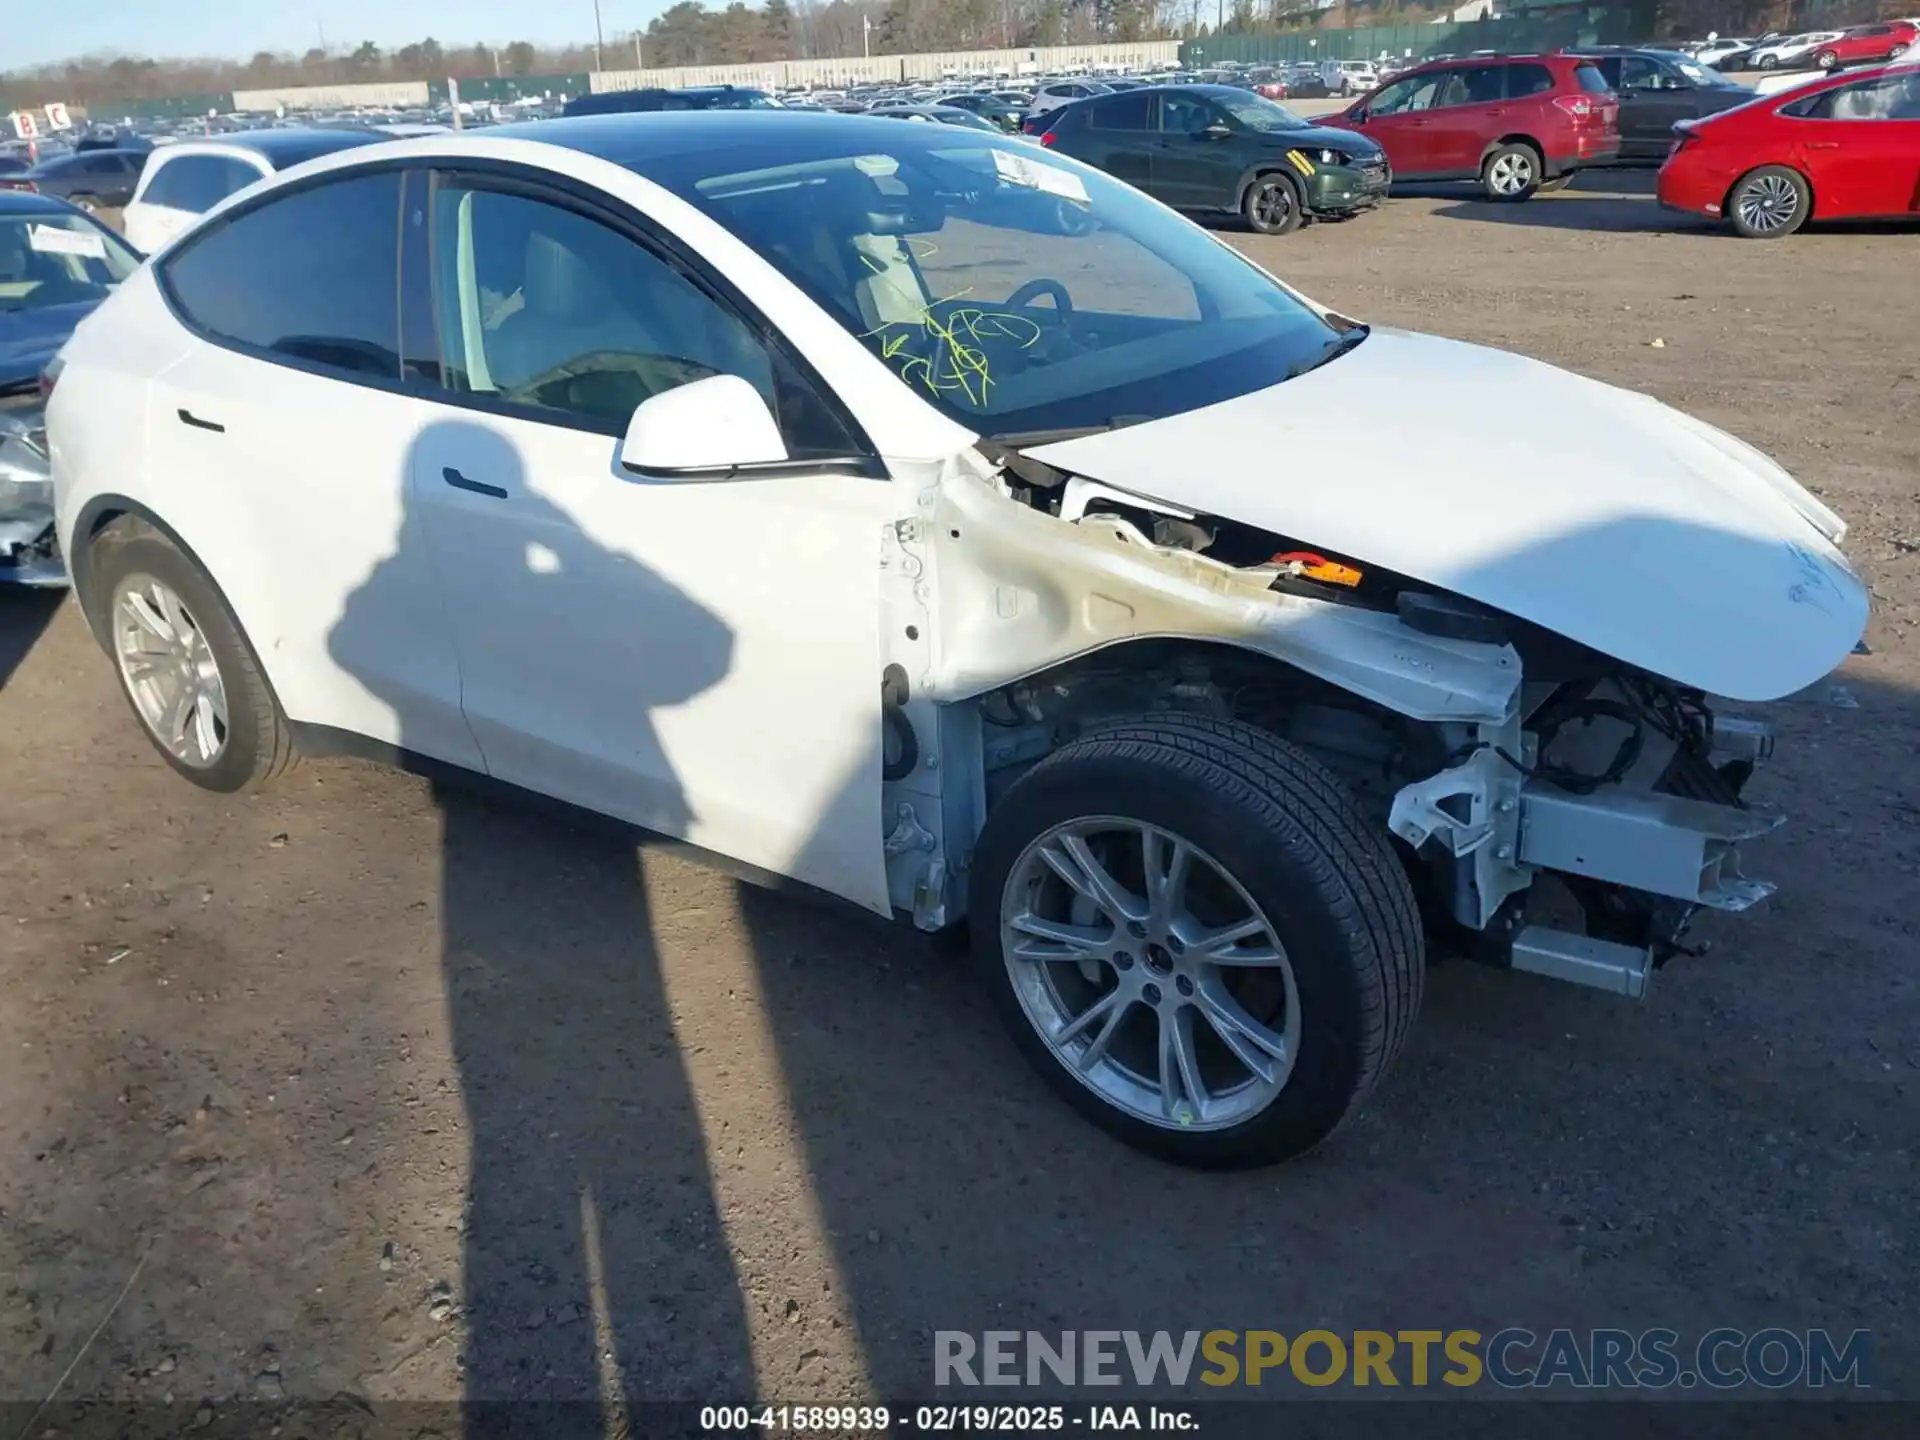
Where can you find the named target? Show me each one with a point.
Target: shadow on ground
(24, 617)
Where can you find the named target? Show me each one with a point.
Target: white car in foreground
(944, 525)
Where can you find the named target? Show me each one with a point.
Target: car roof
(25, 202)
(629, 140)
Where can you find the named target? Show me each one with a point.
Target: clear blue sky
(237, 28)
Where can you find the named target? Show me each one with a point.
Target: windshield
(52, 259)
(1016, 291)
(1256, 112)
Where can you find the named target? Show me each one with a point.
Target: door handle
(479, 487)
(187, 417)
(1823, 144)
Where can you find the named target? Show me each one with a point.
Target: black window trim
(549, 188)
(543, 187)
(164, 280)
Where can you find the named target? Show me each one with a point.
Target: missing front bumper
(1663, 845)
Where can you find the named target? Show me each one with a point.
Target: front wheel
(188, 673)
(1273, 206)
(1197, 938)
(1510, 172)
(1826, 60)
(1768, 203)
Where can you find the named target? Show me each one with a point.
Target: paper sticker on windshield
(1020, 170)
(876, 165)
(50, 240)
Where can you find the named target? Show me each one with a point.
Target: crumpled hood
(1595, 512)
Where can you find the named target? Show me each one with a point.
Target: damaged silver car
(56, 265)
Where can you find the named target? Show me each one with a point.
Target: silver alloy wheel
(1272, 203)
(1150, 973)
(170, 671)
(1511, 173)
(1767, 203)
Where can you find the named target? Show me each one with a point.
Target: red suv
(1518, 124)
(1864, 44)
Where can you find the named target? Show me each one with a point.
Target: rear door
(1120, 134)
(1468, 115)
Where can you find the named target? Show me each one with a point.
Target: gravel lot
(404, 1094)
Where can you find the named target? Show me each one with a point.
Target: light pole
(598, 39)
(866, 32)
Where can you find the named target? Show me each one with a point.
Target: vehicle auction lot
(374, 1080)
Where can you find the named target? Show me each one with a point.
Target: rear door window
(1591, 80)
(1474, 85)
(1525, 80)
(1131, 111)
(310, 277)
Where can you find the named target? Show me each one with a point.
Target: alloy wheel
(1150, 973)
(1767, 203)
(1510, 174)
(170, 671)
(1272, 204)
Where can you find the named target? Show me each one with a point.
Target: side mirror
(1358, 114)
(704, 430)
(1218, 130)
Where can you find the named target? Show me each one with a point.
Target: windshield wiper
(1332, 350)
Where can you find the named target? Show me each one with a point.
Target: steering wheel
(578, 382)
(1024, 297)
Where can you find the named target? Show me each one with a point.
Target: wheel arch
(1260, 171)
(95, 516)
(1517, 138)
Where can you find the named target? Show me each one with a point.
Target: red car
(1518, 124)
(1864, 44)
(1846, 147)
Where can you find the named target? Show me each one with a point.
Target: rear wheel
(1273, 205)
(1769, 62)
(186, 670)
(1196, 937)
(1768, 203)
(1510, 172)
(1826, 60)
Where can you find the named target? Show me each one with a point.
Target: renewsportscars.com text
(1514, 1358)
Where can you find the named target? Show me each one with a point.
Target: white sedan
(944, 525)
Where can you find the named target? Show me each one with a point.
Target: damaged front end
(1037, 605)
(29, 554)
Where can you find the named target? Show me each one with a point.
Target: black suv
(698, 97)
(1221, 149)
(1658, 87)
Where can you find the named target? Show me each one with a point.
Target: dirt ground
(392, 1093)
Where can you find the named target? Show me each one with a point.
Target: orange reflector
(1310, 566)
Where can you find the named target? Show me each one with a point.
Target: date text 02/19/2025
(940, 1419)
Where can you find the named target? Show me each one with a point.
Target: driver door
(1190, 169)
(698, 657)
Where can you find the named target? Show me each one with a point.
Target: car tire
(1273, 204)
(1769, 62)
(1826, 60)
(1272, 831)
(233, 736)
(1558, 182)
(1510, 173)
(88, 203)
(1769, 203)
